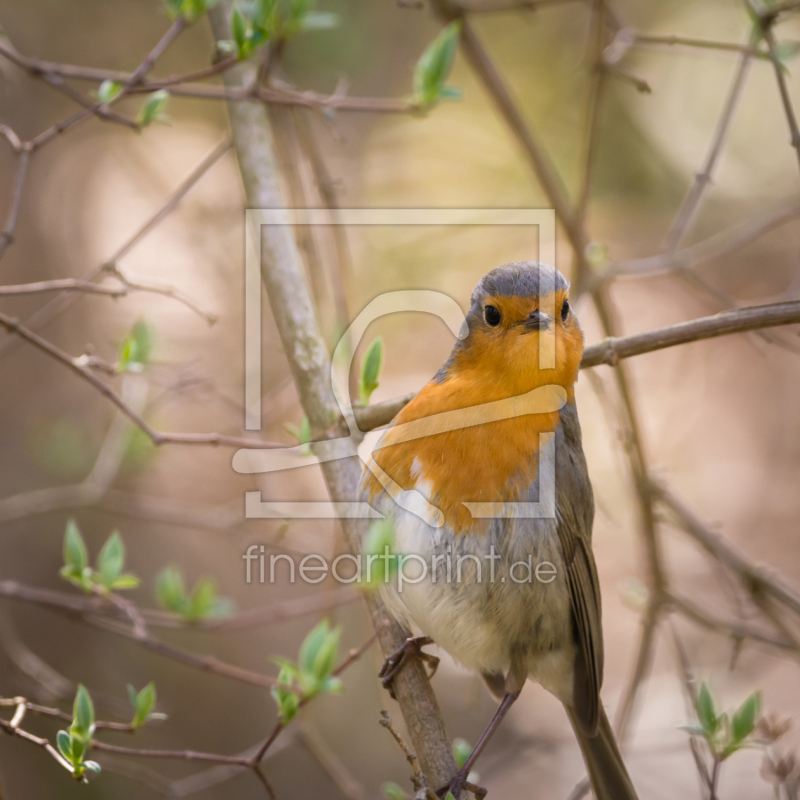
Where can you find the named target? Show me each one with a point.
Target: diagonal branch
(289, 298)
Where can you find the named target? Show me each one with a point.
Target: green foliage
(152, 109)
(311, 675)
(433, 69)
(107, 576)
(136, 349)
(74, 743)
(370, 371)
(380, 559)
(276, 20)
(725, 733)
(787, 50)
(462, 750)
(302, 433)
(202, 603)
(391, 791)
(109, 91)
(143, 703)
(190, 10)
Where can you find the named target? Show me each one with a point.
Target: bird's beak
(537, 321)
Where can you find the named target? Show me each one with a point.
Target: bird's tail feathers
(607, 772)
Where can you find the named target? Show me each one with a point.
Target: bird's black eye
(565, 311)
(492, 316)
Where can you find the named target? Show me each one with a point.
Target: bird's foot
(411, 648)
(458, 784)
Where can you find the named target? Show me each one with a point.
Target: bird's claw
(411, 647)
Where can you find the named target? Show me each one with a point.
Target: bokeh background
(721, 419)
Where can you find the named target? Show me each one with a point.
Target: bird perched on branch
(484, 475)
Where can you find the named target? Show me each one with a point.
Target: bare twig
(64, 301)
(691, 204)
(737, 320)
(417, 776)
(62, 285)
(7, 236)
(612, 350)
(704, 44)
(780, 77)
(755, 579)
(157, 437)
(709, 249)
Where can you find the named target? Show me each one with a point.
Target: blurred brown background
(721, 418)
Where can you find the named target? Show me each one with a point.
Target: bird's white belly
(479, 597)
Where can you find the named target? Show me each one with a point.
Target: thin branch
(250, 618)
(641, 39)
(99, 109)
(418, 779)
(174, 30)
(161, 289)
(644, 660)
(76, 608)
(714, 247)
(756, 579)
(7, 236)
(343, 780)
(280, 726)
(691, 203)
(63, 285)
(77, 366)
(64, 301)
(178, 87)
(780, 77)
(612, 350)
(13, 730)
(597, 31)
(732, 629)
(497, 6)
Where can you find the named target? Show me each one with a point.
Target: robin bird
(508, 626)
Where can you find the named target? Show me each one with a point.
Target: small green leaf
(126, 581)
(136, 349)
(391, 791)
(288, 703)
(111, 560)
(75, 555)
(82, 716)
(204, 598)
(173, 7)
(239, 31)
(325, 657)
(786, 51)
(64, 743)
(704, 706)
(311, 646)
(745, 718)
(92, 766)
(152, 109)
(109, 91)
(379, 548)
(462, 750)
(370, 371)
(434, 66)
(143, 703)
(171, 593)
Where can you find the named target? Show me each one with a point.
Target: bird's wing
(575, 512)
